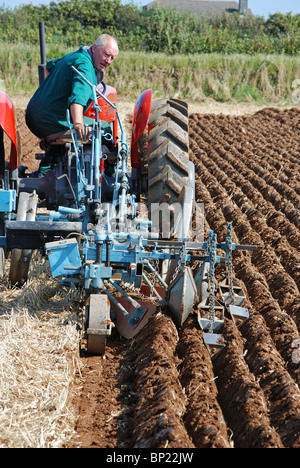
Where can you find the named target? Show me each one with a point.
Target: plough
(117, 222)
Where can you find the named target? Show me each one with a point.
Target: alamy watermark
(160, 220)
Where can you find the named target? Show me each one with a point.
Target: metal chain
(179, 265)
(156, 267)
(195, 264)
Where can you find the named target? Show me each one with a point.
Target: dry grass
(39, 362)
(261, 78)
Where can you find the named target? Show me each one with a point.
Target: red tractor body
(8, 125)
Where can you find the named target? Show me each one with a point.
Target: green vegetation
(75, 22)
(233, 57)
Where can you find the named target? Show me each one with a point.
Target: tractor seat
(59, 138)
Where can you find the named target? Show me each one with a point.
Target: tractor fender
(139, 123)
(8, 124)
(107, 113)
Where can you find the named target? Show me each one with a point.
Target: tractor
(116, 220)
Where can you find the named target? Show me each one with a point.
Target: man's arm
(77, 118)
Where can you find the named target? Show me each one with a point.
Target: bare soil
(162, 389)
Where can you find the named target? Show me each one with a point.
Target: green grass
(260, 78)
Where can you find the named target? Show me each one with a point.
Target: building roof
(197, 7)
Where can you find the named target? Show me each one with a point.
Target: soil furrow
(282, 287)
(288, 256)
(203, 418)
(159, 400)
(283, 328)
(241, 398)
(281, 392)
(239, 149)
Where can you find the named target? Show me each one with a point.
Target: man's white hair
(104, 39)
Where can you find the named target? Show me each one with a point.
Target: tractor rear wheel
(171, 183)
(168, 146)
(169, 167)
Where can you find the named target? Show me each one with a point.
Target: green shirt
(46, 112)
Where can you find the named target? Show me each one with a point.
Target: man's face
(104, 56)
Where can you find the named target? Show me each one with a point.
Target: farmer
(64, 89)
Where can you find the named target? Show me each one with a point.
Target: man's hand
(79, 127)
(83, 132)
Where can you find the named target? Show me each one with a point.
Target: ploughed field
(162, 390)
